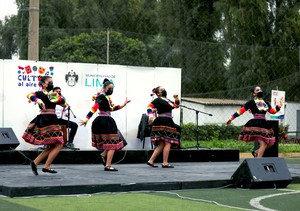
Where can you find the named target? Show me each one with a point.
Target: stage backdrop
(79, 82)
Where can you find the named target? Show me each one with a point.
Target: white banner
(79, 82)
(276, 97)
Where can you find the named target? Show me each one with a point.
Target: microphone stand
(197, 128)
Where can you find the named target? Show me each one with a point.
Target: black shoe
(254, 153)
(43, 147)
(167, 166)
(103, 160)
(152, 165)
(33, 168)
(52, 171)
(109, 168)
(70, 146)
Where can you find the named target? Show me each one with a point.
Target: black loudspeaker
(262, 173)
(272, 151)
(8, 139)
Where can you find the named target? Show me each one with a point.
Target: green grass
(240, 145)
(294, 186)
(195, 199)
(128, 201)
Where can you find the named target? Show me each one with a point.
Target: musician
(63, 113)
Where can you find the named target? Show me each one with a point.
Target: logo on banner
(29, 76)
(95, 80)
(71, 78)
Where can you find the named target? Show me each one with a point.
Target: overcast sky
(8, 7)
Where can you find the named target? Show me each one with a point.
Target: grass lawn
(201, 199)
(240, 145)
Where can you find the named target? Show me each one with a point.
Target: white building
(222, 109)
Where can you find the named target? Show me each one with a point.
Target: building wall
(221, 114)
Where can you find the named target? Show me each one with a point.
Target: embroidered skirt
(105, 134)
(257, 129)
(43, 130)
(164, 129)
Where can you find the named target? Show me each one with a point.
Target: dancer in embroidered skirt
(44, 129)
(104, 129)
(257, 129)
(165, 132)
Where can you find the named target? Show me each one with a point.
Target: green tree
(219, 44)
(8, 42)
(193, 25)
(261, 39)
(91, 48)
(245, 27)
(55, 18)
(61, 19)
(285, 43)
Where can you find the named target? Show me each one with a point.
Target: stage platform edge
(67, 156)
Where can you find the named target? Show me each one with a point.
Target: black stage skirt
(164, 129)
(43, 130)
(257, 129)
(105, 134)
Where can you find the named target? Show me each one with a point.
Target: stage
(18, 180)
(81, 172)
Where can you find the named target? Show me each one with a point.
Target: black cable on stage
(26, 158)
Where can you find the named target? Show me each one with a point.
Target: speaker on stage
(8, 139)
(262, 173)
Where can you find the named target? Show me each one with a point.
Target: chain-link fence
(212, 71)
(217, 77)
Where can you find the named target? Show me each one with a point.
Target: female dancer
(44, 129)
(257, 129)
(104, 129)
(164, 131)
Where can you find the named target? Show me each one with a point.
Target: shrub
(221, 136)
(209, 132)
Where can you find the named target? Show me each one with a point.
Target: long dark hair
(106, 82)
(42, 79)
(156, 90)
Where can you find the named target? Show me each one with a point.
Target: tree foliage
(262, 39)
(91, 48)
(193, 25)
(219, 44)
(8, 37)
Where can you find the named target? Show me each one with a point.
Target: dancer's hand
(81, 122)
(41, 104)
(150, 120)
(54, 93)
(126, 101)
(228, 122)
